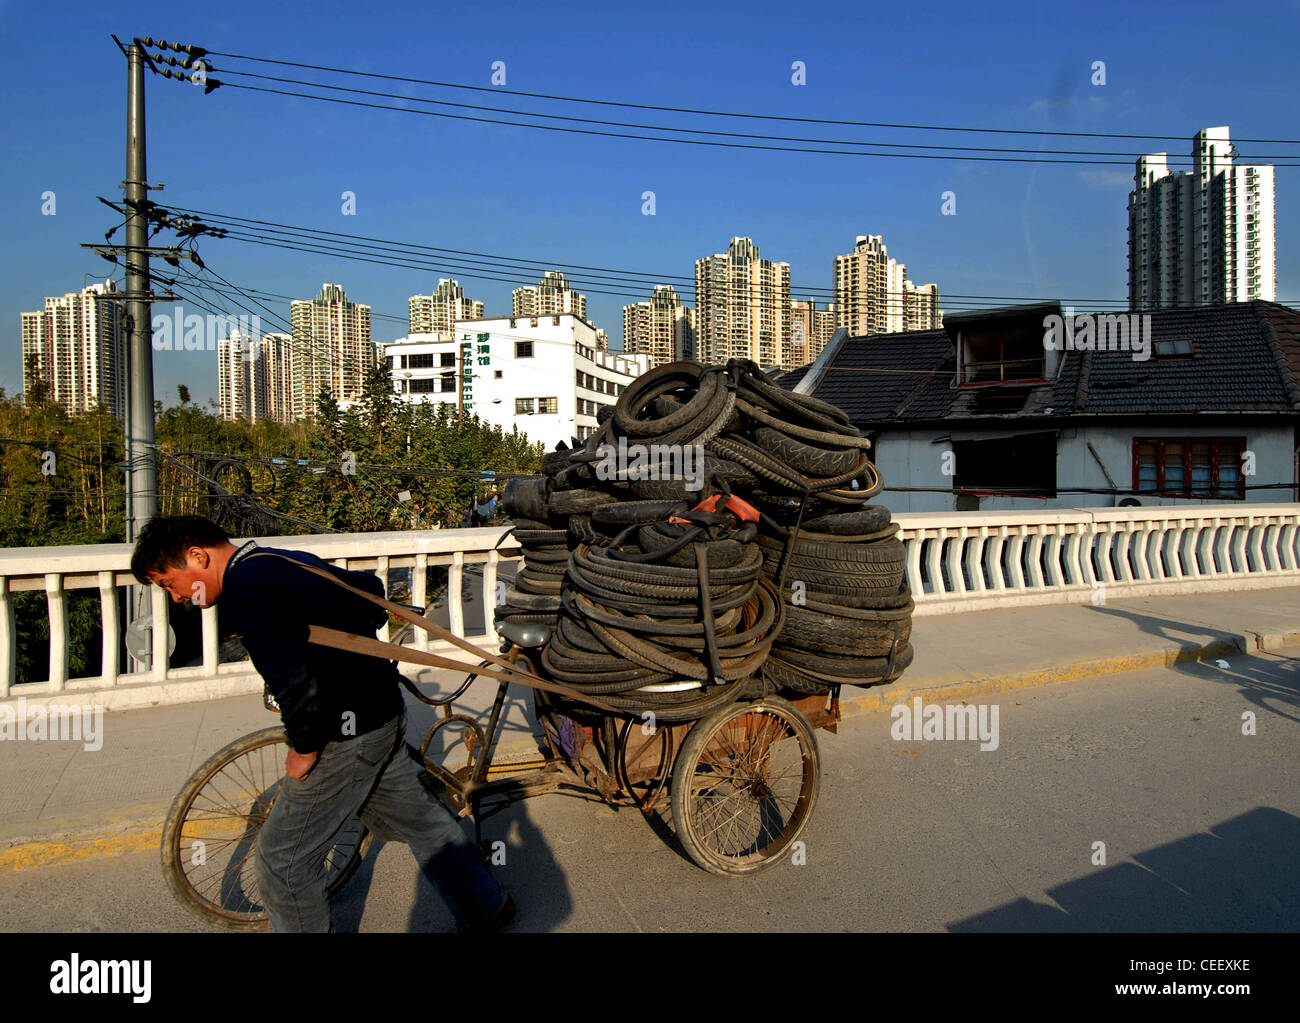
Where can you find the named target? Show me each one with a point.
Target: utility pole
(143, 484)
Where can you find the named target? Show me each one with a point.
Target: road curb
(1272, 640)
(937, 690)
(69, 843)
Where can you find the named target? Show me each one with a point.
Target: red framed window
(1205, 467)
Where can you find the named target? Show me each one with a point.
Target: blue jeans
(370, 776)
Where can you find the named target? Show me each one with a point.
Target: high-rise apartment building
(277, 376)
(76, 346)
(437, 313)
(742, 306)
(810, 333)
(921, 306)
(552, 297)
(1203, 236)
(238, 390)
(255, 377)
(331, 348)
(662, 328)
(874, 296)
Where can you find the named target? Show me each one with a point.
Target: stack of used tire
(806, 595)
(848, 610)
(836, 559)
(645, 628)
(534, 596)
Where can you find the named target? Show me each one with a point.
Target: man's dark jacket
(325, 695)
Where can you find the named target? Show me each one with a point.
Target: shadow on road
(1268, 681)
(1240, 876)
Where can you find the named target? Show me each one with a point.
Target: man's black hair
(164, 540)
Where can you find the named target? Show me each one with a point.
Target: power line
(1129, 157)
(722, 113)
(327, 245)
(400, 470)
(679, 141)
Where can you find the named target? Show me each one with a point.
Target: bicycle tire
(718, 775)
(236, 906)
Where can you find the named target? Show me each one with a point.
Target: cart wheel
(211, 830)
(744, 785)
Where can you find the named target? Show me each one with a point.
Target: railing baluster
(8, 639)
(952, 561)
(1192, 544)
(420, 594)
(1141, 550)
(1177, 563)
(1239, 531)
(161, 629)
(1078, 560)
(974, 558)
(211, 641)
(1270, 531)
(934, 563)
(456, 609)
(1036, 581)
(385, 630)
(1222, 556)
(1015, 551)
(490, 593)
(108, 628)
(913, 540)
(1256, 545)
(1054, 578)
(1106, 553)
(1160, 566)
(58, 608)
(1125, 534)
(1286, 544)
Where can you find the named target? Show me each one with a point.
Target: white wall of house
(915, 458)
(540, 393)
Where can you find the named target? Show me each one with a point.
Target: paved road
(1201, 826)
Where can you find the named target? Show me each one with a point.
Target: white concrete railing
(956, 561)
(969, 561)
(105, 568)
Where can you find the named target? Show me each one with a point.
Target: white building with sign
(542, 374)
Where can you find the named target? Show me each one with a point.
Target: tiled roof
(791, 377)
(890, 376)
(1233, 367)
(1245, 357)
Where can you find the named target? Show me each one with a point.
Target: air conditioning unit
(1127, 502)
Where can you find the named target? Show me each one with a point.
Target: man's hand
(298, 765)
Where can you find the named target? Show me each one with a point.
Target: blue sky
(1020, 230)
